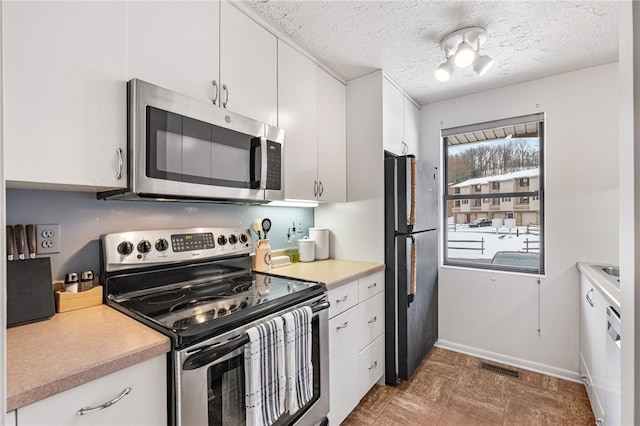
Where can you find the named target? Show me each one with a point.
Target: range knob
(222, 240)
(125, 248)
(233, 239)
(162, 244)
(144, 246)
(243, 238)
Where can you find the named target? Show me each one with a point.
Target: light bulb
(482, 64)
(444, 71)
(464, 55)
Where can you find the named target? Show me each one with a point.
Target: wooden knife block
(71, 301)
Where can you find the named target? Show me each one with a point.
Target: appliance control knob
(222, 240)
(144, 246)
(162, 244)
(125, 248)
(233, 239)
(243, 238)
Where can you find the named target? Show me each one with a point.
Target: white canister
(262, 258)
(321, 237)
(307, 249)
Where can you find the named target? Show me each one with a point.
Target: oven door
(211, 383)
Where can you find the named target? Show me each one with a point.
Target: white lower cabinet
(10, 419)
(144, 404)
(593, 339)
(356, 343)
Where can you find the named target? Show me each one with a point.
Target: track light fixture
(461, 49)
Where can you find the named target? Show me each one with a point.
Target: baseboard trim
(560, 373)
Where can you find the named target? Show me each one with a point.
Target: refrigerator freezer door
(425, 205)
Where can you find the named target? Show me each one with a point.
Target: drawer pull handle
(120, 163)
(374, 319)
(372, 285)
(345, 325)
(88, 410)
(344, 299)
(374, 365)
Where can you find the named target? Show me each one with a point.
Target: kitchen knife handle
(19, 234)
(10, 242)
(31, 240)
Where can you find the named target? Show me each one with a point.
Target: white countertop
(601, 281)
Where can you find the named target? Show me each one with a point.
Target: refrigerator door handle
(412, 272)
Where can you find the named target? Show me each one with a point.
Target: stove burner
(241, 288)
(157, 299)
(194, 302)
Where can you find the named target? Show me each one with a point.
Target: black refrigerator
(411, 258)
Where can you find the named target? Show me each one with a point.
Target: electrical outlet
(48, 238)
(299, 225)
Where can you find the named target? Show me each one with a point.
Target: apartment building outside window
(495, 171)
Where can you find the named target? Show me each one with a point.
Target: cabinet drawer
(371, 320)
(370, 365)
(145, 404)
(370, 285)
(343, 298)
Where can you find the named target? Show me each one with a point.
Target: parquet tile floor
(449, 389)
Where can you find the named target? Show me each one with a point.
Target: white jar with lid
(307, 249)
(321, 237)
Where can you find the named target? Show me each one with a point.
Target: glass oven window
(226, 391)
(186, 150)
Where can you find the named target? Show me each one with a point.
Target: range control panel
(138, 248)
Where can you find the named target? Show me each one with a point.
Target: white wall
(496, 314)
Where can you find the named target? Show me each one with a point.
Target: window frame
(464, 198)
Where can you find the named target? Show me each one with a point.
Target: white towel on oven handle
(297, 331)
(265, 380)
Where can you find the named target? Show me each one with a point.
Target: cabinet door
(145, 404)
(392, 118)
(343, 365)
(248, 66)
(297, 115)
(10, 419)
(65, 105)
(332, 138)
(174, 45)
(371, 321)
(342, 298)
(411, 127)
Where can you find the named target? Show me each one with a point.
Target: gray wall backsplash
(83, 219)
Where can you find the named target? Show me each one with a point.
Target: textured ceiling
(527, 40)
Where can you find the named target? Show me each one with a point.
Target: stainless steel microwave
(180, 148)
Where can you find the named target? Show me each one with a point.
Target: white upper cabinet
(401, 121)
(175, 45)
(297, 115)
(64, 101)
(312, 112)
(332, 139)
(248, 66)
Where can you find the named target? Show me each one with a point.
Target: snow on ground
(501, 239)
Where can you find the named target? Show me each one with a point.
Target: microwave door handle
(263, 163)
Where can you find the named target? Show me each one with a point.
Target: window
(508, 155)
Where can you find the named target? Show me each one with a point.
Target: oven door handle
(208, 356)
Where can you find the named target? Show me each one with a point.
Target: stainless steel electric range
(196, 286)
